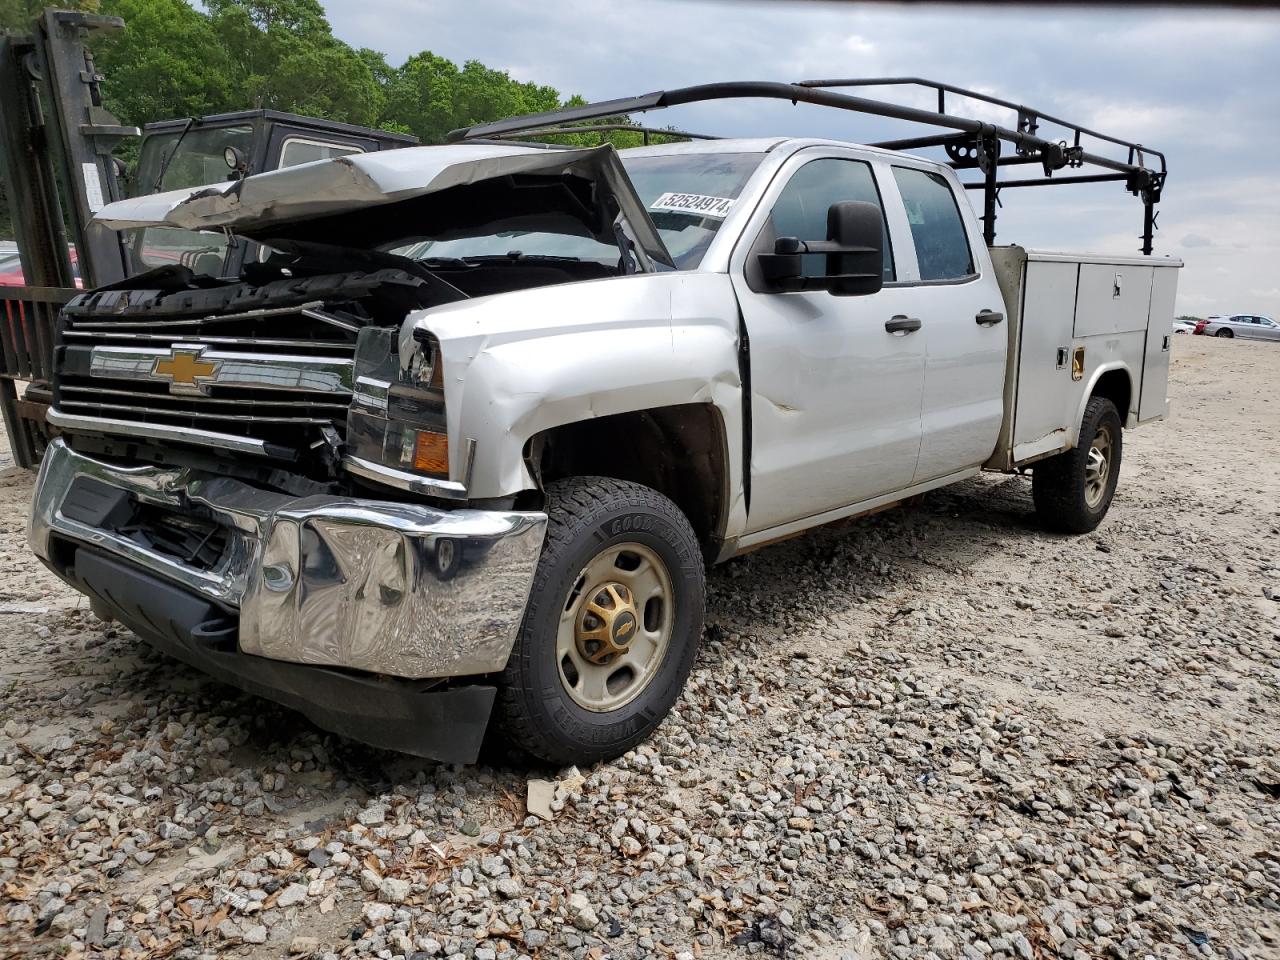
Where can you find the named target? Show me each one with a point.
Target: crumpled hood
(323, 188)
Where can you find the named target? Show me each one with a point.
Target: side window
(801, 209)
(942, 249)
(298, 150)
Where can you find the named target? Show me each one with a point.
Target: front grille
(271, 363)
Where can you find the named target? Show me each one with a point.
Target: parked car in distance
(1250, 326)
(1185, 326)
(11, 274)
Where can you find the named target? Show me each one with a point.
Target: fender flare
(1087, 395)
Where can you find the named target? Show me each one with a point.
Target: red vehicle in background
(1199, 330)
(11, 269)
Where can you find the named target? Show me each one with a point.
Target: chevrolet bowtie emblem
(185, 370)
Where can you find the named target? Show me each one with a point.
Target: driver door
(835, 396)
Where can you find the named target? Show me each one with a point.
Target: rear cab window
(937, 228)
(296, 150)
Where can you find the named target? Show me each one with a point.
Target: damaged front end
(255, 474)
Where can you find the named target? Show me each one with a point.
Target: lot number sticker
(694, 203)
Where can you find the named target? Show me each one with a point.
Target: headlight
(397, 415)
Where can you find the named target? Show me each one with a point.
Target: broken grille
(277, 374)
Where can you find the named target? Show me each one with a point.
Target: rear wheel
(1073, 490)
(1224, 332)
(613, 623)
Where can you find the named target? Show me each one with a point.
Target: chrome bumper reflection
(392, 588)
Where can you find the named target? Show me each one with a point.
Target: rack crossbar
(972, 143)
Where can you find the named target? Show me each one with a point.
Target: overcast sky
(1202, 86)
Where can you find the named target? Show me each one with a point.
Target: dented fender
(520, 363)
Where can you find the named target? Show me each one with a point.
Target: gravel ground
(935, 732)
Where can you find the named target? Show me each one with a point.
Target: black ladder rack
(971, 144)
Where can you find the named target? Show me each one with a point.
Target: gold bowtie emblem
(185, 370)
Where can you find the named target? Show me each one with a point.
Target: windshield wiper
(434, 263)
(164, 167)
(515, 256)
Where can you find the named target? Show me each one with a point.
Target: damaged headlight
(397, 416)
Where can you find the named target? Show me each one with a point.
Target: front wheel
(612, 626)
(1073, 490)
(1224, 332)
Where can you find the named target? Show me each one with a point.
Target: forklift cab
(177, 154)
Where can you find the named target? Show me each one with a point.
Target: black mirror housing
(853, 248)
(858, 229)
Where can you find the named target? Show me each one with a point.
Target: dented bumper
(402, 590)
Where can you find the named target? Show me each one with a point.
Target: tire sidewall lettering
(638, 524)
(631, 523)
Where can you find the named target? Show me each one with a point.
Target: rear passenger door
(835, 396)
(961, 312)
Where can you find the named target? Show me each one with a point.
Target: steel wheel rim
(1097, 467)
(602, 664)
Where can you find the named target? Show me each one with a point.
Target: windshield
(688, 195)
(172, 161)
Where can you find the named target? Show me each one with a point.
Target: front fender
(519, 363)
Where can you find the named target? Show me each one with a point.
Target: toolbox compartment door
(1113, 298)
(1047, 397)
(1153, 400)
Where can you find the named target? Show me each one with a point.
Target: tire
(448, 559)
(1224, 332)
(552, 701)
(1068, 495)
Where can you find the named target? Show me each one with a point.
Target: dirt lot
(935, 732)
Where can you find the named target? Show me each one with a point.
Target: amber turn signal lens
(431, 453)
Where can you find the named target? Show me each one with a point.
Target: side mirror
(854, 252)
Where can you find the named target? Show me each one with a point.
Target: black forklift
(58, 163)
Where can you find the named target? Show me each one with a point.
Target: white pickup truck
(464, 437)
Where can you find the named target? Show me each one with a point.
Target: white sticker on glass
(694, 203)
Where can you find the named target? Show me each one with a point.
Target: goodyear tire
(1073, 490)
(612, 626)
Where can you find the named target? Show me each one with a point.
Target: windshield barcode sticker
(694, 203)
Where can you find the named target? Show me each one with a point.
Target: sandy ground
(1153, 636)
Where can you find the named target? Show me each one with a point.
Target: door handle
(989, 318)
(902, 324)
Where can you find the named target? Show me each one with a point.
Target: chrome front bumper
(392, 588)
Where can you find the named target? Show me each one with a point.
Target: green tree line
(174, 60)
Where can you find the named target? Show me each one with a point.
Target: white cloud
(859, 46)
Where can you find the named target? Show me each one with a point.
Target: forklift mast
(56, 140)
(56, 143)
